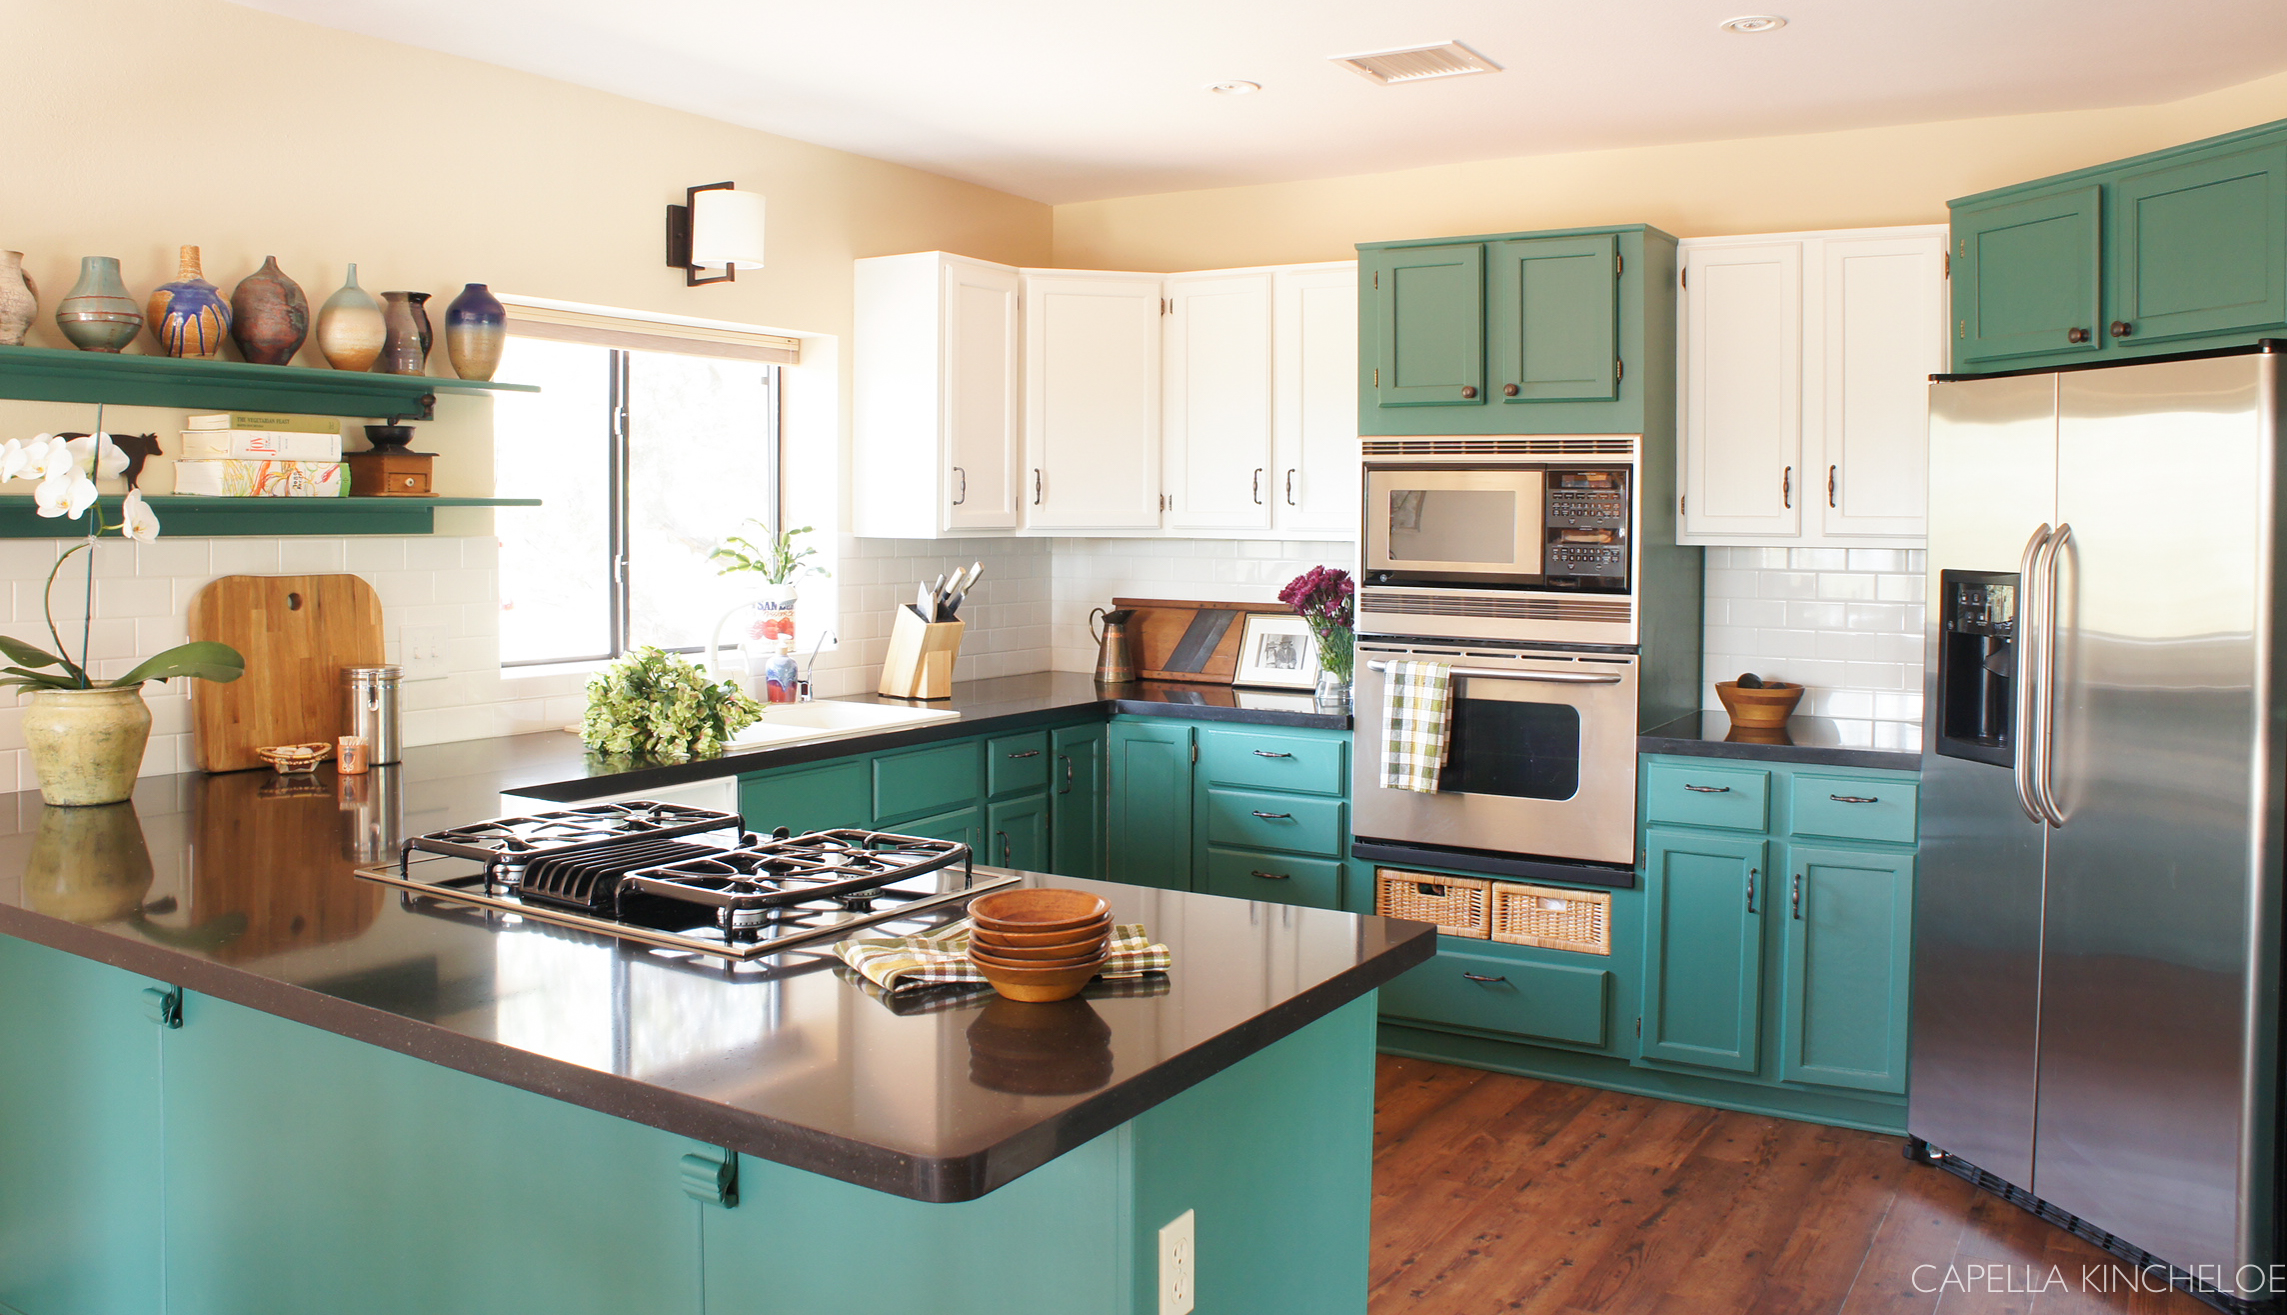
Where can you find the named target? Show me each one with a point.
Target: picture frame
(1277, 652)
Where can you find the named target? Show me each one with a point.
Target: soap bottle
(779, 675)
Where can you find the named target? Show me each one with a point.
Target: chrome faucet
(802, 683)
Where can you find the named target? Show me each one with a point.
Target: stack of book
(253, 454)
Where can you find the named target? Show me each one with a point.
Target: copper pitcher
(1115, 647)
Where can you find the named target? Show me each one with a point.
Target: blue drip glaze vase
(476, 329)
(188, 316)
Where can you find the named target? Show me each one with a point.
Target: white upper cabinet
(1804, 393)
(1314, 408)
(1091, 401)
(1217, 418)
(936, 367)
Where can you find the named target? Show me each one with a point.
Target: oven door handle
(1541, 677)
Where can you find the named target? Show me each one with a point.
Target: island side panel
(79, 1136)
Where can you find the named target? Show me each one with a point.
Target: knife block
(919, 664)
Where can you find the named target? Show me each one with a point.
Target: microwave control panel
(1587, 527)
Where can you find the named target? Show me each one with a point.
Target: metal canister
(369, 698)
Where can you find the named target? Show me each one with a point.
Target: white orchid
(68, 494)
(13, 459)
(137, 520)
(49, 457)
(112, 460)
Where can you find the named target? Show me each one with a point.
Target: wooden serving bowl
(1029, 911)
(1037, 985)
(1041, 939)
(983, 958)
(1094, 944)
(1767, 707)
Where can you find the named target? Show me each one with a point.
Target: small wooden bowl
(1041, 939)
(1039, 985)
(984, 958)
(1095, 944)
(1767, 707)
(1032, 911)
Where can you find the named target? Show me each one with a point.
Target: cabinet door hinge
(1683, 278)
(1377, 278)
(1195, 751)
(1682, 502)
(1167, 305)
(1377, 376)
(163, 1005)
(1619, 263)
(1619, 369)
(1949, 264)
(712, 1177)
(1639, 1027)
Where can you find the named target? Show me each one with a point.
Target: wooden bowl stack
(1039, 945)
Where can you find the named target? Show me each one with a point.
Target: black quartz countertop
(240, 887)
(1822, 741)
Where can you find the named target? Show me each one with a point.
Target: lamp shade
(726, 229)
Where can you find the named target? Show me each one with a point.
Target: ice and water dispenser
(1977, 666)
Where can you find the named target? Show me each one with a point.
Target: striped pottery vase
(97, 315)
(188, 316)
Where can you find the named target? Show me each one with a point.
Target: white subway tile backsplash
(1845, 623)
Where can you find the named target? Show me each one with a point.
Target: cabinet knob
(2122, 328)
(2076, 335)
(1509, 390)
(1468, 390)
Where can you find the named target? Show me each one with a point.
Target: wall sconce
(717, 227)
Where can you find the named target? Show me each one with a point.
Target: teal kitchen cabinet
(1703, 948)
(1150, 835)
(815, 798)
(2027, 278)
(1494, 988)
(1076, 801)
(1016, 832)
(1849, 950)
(911, 782)
(81, 1044)
(1561, 332)
(2200, 247)
(1554, 319)
(966, 825)
(1428, 307)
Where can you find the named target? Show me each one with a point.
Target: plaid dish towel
(1417, 711)
(940, 957)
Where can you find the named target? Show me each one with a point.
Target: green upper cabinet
(1703, 948)
(1554, 318)
(1151, 803)
(1429, 316)
(2026, 276)
(2199, 246)
(1561, 332)
(1849, 927)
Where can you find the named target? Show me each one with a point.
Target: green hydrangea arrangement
(656, 705)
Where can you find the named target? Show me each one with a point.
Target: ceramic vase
(350, 327)
(86, 744)
(88, 865)
(97, 315)
(476, 329)
(406, 349)
(269, 316)
(188, 316)
(20, 300)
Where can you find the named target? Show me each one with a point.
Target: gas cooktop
(684, 878)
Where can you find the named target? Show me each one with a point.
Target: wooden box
(390, 474)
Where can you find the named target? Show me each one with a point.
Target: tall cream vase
(86, 745)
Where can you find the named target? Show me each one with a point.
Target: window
(643, 461)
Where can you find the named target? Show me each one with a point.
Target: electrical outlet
(423, 650)
(1178, 1267)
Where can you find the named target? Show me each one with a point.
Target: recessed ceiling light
(1752, 23)
(1449, 59)
(1235, 88)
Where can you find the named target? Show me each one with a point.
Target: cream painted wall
(1900, 175)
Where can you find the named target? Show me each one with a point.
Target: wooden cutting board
(1189, 641)
(297, 632)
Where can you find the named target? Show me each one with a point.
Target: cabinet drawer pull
(1854, 798)
(1787, 487)
(1066, 759)
(1480, 977)
(964, 478)
(1268, 876)
(1751, 875)
(1290, 486)
(1258, 486)
(1029, 753)
(1003, 837)
(1272, 817)
(1830, 473)
(1265, 753)
(1709, 789)
(1798, 897)
(1036, 486)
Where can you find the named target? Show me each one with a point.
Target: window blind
(631, 334)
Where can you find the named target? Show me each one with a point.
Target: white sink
(804, 723)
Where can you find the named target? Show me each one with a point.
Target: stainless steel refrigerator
(2097, 922)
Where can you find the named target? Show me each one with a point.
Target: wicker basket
(1460, 906)
(1551, 918)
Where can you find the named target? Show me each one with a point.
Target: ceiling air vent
(1418, 63)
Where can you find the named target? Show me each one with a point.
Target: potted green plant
(85, 736)
(780, 564)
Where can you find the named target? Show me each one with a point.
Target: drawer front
(1254, 819)
(1017, 762)
(1267, 760)
(1247, 874)
(927, 780)
(1855, 807)
(1736, 798)
(1546, 1001)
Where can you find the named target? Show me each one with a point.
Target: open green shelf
(207, 518)
(47, 374)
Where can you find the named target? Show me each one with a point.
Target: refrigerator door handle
(2025, 716)
(2045, 766)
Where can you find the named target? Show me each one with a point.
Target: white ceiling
(1064, 101)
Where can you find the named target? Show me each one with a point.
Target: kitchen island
(235, 1078)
